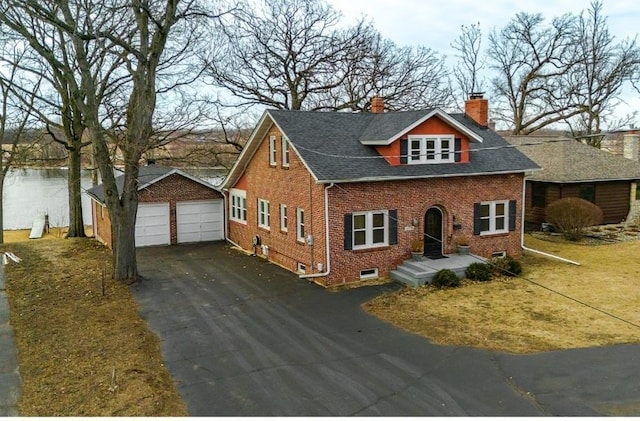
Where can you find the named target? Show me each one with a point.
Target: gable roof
(330, 144)
(147, 176)
(565, 160)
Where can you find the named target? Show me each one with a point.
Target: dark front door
(433, 233)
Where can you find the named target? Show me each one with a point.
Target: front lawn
(532, 314)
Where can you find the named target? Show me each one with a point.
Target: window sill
(267, 229)
(370, 249)
(494, 234)
(238, 221)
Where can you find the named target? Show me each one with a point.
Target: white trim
(264, 214)
(284, 218)
(372, 275)
(368, 229)
(493, 217)
(434, 156)
(238, 206)
(285, 152)
(273, 156)
(300, 225)
(180, 172)
(419, 177)
(436, 112)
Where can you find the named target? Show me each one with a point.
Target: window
(539, 195)
(238, 206)
(283, 218)
(263, 214)
(302, 268)
(431, 149)
(285, 152)
(369, 273)
(272, 150)
(588, 192)
(494, 217)
(300, 224)
(370, 229)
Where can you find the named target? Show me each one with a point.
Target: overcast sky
(436, 23)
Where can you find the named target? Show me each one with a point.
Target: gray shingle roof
(147, 175)
(566, 160)
(330, 145)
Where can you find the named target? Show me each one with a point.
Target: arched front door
(433, 233)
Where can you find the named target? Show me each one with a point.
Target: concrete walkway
(10, 382)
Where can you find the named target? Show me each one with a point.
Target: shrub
(445, 278)
(572, 215)
(506, 265)
(478, 272)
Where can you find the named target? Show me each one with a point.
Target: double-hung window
(494, 217)
(285, 152)
(283, 218)
(370, 229)
(263, 214)
(272, 151)
(300, 224)
(238, 206)
(431, 149)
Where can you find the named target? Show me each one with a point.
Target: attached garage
(152, 225)
(200, 221)
(173, 207)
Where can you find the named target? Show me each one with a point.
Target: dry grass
(72, 338)
(515, 315)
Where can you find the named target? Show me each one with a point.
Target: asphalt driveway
(244, 337)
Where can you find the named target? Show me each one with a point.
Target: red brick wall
(454, 196)
(102, 223)
(173, 188)
(295, 188)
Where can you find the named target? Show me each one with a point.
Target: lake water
(30, 192)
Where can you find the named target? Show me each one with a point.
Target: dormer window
(431, 149)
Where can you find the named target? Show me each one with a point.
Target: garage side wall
(102, 223)
(172, 189)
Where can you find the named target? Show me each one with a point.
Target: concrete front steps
(418, 273)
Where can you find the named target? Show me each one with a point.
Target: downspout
(226, 224)
(326, 239)
(524, 192)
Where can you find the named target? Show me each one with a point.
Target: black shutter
(393, 227)
(348, 231)
(477, 221)
(512, 215)
(457, 144)
(404, 150)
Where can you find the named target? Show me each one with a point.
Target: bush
(478, 272)
(506, 266)
(572, 215)
(445, 278)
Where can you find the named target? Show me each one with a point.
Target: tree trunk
(76, 223)
(123, 232)
(1, 210)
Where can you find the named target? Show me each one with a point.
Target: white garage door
(152, 224)
(200, 221)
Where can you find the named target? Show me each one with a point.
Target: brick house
(339, 197)
(173, 207)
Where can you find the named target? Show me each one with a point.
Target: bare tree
(603, 66)
(531, 61)
(16, 117)
(292, 54)
(467, 73)
(130, 51)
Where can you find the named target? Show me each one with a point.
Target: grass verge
(82, 346)
(524, 316)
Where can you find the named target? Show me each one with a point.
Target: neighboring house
(174, 207)
(340, 196)
(573, 169)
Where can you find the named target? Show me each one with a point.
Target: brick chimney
(630, 145)
(377, 104)
(477, 108)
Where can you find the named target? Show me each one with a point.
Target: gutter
(522, 235)
(326, 240)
